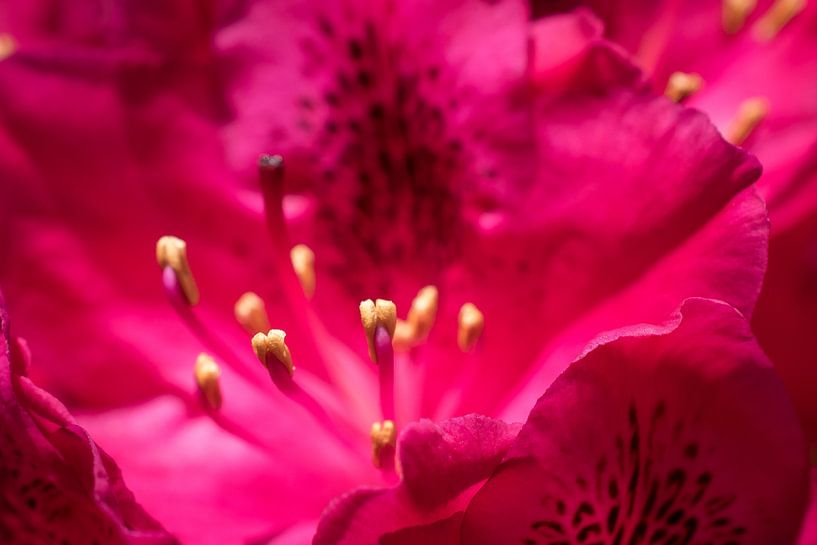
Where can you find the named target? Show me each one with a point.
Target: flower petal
(57, 486)
(639, 204)
(440, 462)
(808, 534)
(681, 430)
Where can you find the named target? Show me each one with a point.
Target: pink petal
(786, 310)
(213, 487)
(679, 430)
(639, 204)
(808, 534)
(440, 462)
(57, 485)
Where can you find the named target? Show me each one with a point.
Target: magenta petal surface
(440, 462)
(56, 485)
(681, 430)
(808, 534)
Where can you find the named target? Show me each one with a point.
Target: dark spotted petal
(665, 435)
(56, 486)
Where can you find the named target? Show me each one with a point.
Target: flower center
(384, 334)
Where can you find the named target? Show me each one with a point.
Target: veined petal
(658, 432)
(57, 484)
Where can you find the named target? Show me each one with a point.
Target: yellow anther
(8, 45)
(303, 261)
(383, 436)
(681, 86)
(778, 16)
(251, 313)
(750, 113)
(377, 313)
(471, 324)
(735, 13)
(272, 344)
(172, 252)
(207, 374)
(415, 329)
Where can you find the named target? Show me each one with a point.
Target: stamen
(172, 252)
(8, 45)
(377, 313)
(384, 442)
(251, 313)
(207, 373)
(471, 324)
(681, 86)
(750, 113)
(415, 329)
(303, 262)
(379, 320)
(272, 345)
(735, 13)
(778, 16)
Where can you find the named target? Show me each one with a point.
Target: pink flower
(690, 408)
(524, 169)
(56, 485)
(757, 63)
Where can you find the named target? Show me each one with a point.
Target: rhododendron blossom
(751, 66)
(456, 273)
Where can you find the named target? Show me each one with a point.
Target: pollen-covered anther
(735, 13)
(271, 345)
(750, 113)
(384, 441)
(778, 16)
(471, 323)
(251, 313)
(8, 45)
(374, 314)
(208, 373)
(681, 86)
(172, 252)
(303, 262)
(417, 325)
